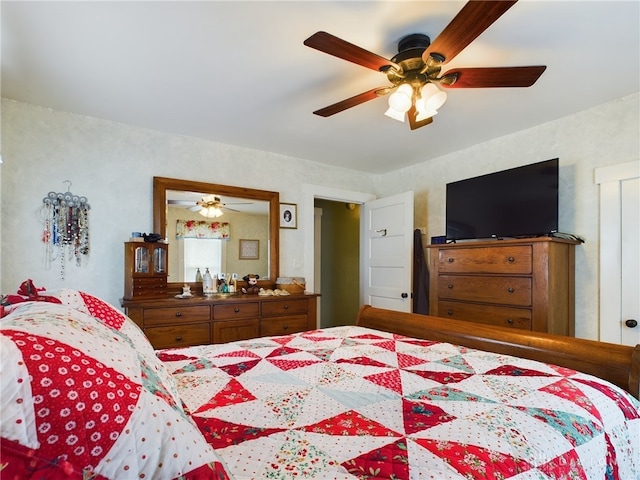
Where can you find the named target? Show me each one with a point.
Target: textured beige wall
(113, 165)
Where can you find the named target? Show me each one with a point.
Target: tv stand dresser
(520, 283)
(176, 322)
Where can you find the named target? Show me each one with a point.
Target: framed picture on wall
(288, 215)
(249, 249)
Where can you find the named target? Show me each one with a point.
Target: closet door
(619, 257)
(630, 251)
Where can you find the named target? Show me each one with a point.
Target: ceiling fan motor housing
(409, 57)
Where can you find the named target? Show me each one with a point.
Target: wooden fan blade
(493, 77)
(352, 102)
(474, 18)
(413, 123)
(327, 43)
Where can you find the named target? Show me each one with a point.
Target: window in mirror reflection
(241, 225)
(200, 253)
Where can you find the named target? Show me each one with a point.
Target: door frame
(309, 194)
(609, 179)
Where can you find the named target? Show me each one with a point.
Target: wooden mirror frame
(162, 184)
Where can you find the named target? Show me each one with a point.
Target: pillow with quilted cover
(121, 325)
(79, 401)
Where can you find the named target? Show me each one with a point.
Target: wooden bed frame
(618, 364)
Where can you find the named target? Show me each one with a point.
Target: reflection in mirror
(200, 243)
(250, 214)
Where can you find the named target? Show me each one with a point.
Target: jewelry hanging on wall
(66, 228)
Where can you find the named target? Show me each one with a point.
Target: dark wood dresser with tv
(522, 283)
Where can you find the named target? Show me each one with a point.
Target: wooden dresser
(173, 322)
(524, 283)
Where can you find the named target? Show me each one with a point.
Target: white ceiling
(237, 72)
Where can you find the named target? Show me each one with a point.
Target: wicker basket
(291, 285)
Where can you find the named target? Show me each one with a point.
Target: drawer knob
(286, 307)
(450, 285)
(178, 338)
(178, 314)
(285, 327)
(511, 259)
(510, 290)
(449, 312)
(631, 323)
(450, 260)
(510, 320)
(236, 309)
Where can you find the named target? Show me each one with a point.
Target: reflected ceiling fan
(415, 72)
(209, 206)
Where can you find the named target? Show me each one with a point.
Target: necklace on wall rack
(65, 218)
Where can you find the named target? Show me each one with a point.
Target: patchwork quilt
(83, 396)
(354, 403)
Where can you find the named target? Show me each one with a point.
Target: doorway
(308, 221)
(337, 261)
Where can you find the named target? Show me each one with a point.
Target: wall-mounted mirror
(249, 218)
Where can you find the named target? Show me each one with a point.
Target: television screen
(519, 202)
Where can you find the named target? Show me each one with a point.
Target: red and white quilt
(354, 403)
(83, 396)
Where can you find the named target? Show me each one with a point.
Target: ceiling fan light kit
(415, 72)
(426, 103)
(210, 206)
(211, 212)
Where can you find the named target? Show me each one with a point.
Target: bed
(397, 396)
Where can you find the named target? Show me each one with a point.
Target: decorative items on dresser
(171, 322)
(520, 283)
(145, 270)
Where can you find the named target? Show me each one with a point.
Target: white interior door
(387, 252)
(630, 261)
(619, 245)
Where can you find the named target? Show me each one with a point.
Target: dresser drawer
(486, 289)
(283, 325)
(286, 307)
(236, 310)
(173, 315)
(233, 330)
(178, 335)
(148, 287)
(504, 260)
(488, 314)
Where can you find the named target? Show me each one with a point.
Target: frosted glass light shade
(432, 97)
(211, 212)
(421, 113)
(400, 100)
(396, 115)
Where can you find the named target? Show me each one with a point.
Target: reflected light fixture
(211, 212)
(210, 207)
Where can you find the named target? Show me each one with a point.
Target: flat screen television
(515, 203)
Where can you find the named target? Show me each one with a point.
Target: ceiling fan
(210, 206)
(415, 71)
